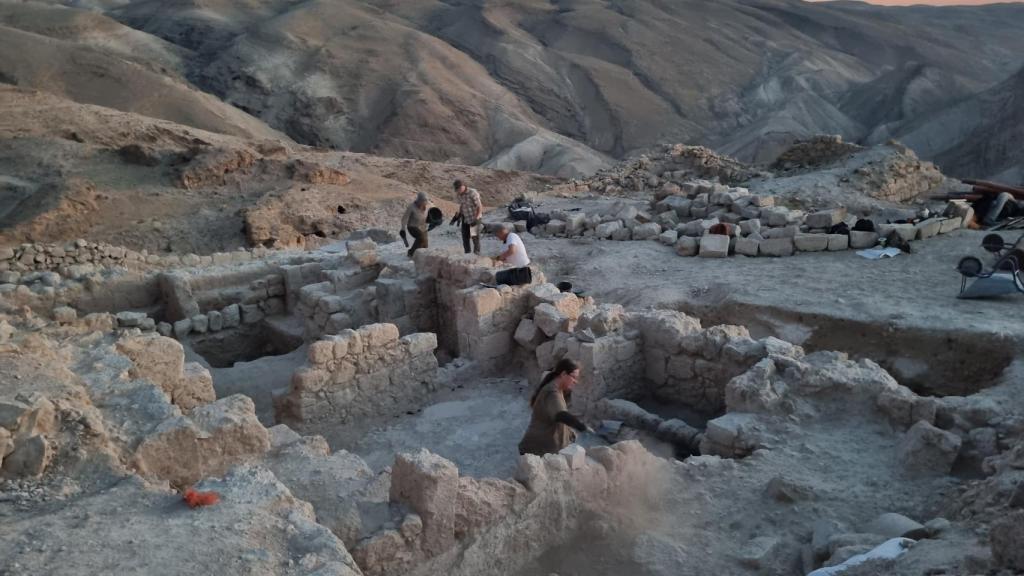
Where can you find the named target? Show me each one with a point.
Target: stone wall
(459, 525)
(367, 372)
(81, 258)
(344, 298)
(471, 321)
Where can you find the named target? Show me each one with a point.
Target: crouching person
(513, 253)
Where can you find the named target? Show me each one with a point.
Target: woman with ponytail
(551, 423)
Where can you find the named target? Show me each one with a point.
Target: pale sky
(933, 2)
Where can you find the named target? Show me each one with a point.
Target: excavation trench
(929, 362)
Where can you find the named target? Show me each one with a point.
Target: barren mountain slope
(559, 88)
(100, 75)
(979, 136)
(371, 75)
(72, 170)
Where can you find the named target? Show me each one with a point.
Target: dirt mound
(84, 171)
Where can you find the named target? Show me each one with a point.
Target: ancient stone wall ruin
(462, 525)
(359, 373)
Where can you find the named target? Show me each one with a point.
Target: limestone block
(531, 473)
(340, 321)
(232, 316)
(575, 456)
(669, 237)
(606, 230)
(622, 234)
(420, 343)
(775, 217)
(714, 246)
(480, 302)
(195, 387)
(528, 335)
(210, 440)
(860, 239)
(811, 242)
(179, 303)
(926, 449)
(776, 247)
(928, 228)
(748, 227)
(321, 352)
(647, 231)
(838, 242)
(378, 335)
(215, 321)
(251, 313)
(429, 485)
(687, 246)
(950, 224)
(165, 329)
(130, 319)
(182, 328)
(905, 231)
(555, 227)
(747, 246)
(200, 323)
(482, 503)
(762, 201)
(825, 218)
(549, 320)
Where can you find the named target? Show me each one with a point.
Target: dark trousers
(419, 240)
(513, 277)
(466, 237)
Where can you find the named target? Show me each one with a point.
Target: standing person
(551, 424)
(513, 253)
(471, 210)
(415, 221)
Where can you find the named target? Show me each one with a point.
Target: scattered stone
(936, 526)
(786, 490)
(759, 552)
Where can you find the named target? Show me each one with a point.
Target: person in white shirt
(513, 253)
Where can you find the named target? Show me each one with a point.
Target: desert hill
(560, 88)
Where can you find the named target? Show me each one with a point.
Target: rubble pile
(700, 218)
(813, 153)
(675, 163)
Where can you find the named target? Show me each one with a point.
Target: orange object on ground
(195, 499)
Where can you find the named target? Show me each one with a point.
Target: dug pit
(247, 343)
(929, 362)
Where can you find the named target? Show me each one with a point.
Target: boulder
(528, 335)
(926, 449)
(607, 229)
(647, 231)
(669, 237)
(28, 459)
(825, 218)
(549, 320)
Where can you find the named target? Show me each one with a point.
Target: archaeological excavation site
(477, 288)
(758, 398)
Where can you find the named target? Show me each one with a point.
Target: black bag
(864, 225)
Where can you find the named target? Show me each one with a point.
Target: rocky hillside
(559, 88)
(982, 134)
